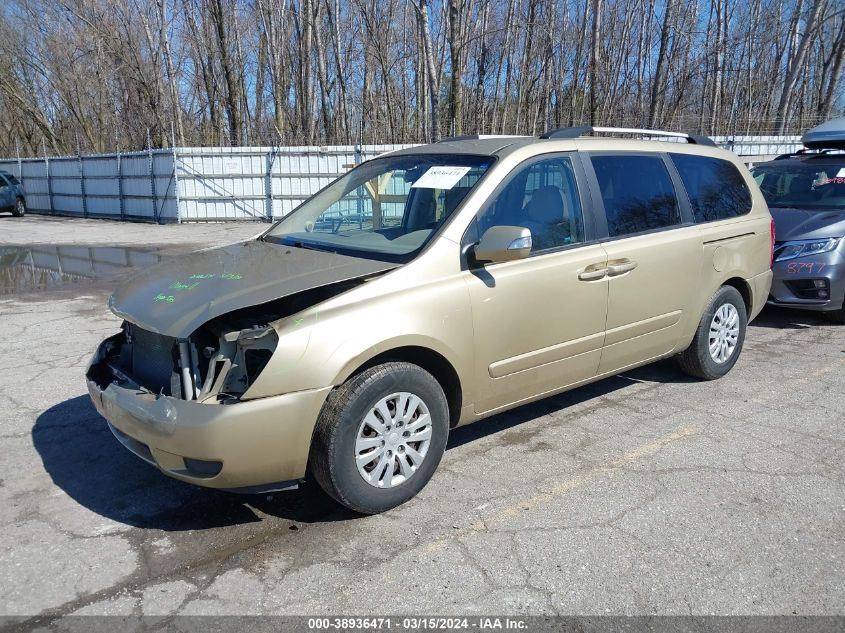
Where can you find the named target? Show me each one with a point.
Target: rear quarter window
(716, 189)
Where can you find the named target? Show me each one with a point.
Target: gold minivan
(426, 289)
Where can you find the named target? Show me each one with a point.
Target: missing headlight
(254, 361)
(234, 359)
(255, 346)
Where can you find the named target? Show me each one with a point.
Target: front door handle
(593, 272)
(620, 267)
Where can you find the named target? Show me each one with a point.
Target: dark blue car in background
(12, 196)
(806, 196)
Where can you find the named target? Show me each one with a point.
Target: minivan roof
(481, 146)
(501, 146)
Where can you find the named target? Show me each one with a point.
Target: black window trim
(681, 193)
(684, 208)
(471, 236)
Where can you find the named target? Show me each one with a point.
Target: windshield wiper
(311, 247)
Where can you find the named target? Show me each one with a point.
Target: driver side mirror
(503, 244)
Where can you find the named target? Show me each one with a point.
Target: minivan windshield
(806, 184)
(387, 208)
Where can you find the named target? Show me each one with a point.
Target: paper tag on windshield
(443, 177)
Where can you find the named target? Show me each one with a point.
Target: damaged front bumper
(246, 446)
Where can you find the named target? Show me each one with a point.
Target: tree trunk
(431, 69)
(796, 64)
(171, 74)
(260, 81)
(232, 97)
(659, 84)
(322, 74)
(835, 63)
(594, 58)
(343, 109)
(455, 54)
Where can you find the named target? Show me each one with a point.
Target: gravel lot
(648, 493)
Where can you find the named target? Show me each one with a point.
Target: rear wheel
(719, 338)
(380, 437)
(19, 208)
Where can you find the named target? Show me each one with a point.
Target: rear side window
(12, 180)
(637, 193)
(716, 189)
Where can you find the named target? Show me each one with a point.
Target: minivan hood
(801, 224)
(178, 295)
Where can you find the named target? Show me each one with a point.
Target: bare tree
(432, 76)
(796, 62)
(658, 84)
(110, 72)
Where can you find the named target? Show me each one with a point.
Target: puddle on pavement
(36, 268)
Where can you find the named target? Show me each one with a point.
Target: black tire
(696, 360)
(20, 208)
(333, 448)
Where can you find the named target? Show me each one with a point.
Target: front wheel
(719, 338)
(380, 437)
(20, 208)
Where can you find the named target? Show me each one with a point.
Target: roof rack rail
(578, 132)
(811, 153)
(800, 152)
(478, 137)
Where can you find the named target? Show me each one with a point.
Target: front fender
(323, 346)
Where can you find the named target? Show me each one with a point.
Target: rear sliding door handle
(620, 267)
(593, 272)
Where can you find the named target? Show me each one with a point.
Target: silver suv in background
(805, 192)
(12, 197)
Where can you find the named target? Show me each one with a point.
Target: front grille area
(152, 360)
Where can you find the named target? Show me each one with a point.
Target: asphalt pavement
(647, 493)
